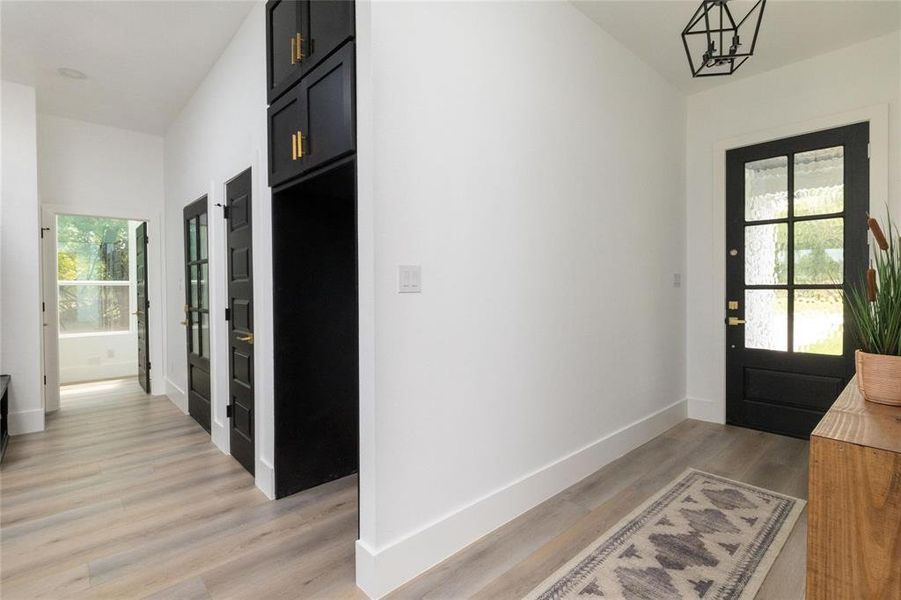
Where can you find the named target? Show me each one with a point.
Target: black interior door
(142, 307)
(197, 311)
(240, 319)
(795, 237)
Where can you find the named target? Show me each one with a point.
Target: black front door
(197, 311)
(240, 318)
(142, 307)
(795, 237)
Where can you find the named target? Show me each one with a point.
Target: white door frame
(156, 277)
(878, 118)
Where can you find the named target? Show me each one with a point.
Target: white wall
(20, 285)
(220, 133)
(90, 169)
(98, 356)
(534, 168)
(831, 89)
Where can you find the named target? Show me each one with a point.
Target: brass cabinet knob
(735, 321)
(184, 323)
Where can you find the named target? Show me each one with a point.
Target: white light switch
(409, 279)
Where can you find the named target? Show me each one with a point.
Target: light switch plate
(409, 279)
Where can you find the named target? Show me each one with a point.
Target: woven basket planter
(879, 377)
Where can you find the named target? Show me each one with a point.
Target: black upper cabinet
(331, 23)
(302, 33)
(286, 42)
(313, 123)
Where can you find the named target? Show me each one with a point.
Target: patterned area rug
(703, 536)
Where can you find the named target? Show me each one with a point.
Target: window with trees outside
(93, 274)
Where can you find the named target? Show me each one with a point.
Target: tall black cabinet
(312, 172)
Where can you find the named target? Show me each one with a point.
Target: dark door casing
(240, 318)
(795, 238)
(142, 307)
(197, 311)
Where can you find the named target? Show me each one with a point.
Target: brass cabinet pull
(246, 338)
(736, 321)
(300, 138)
(293, 146)
(296, 48)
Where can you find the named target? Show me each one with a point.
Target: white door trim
(156, 276)
(878, 117)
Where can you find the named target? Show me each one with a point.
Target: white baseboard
(26, 421)
(177, 395)
(706, 410)
(265, 478)
(381, 570)
(219, 436)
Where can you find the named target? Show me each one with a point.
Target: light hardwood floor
(123, 496)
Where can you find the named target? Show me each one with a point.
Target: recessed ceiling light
(71, 73)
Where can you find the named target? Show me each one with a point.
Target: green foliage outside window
(92, 251)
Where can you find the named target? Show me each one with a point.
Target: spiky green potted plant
(875, 307)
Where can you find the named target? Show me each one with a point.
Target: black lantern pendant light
(715, 43)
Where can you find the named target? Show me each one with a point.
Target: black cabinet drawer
(300, 34)
(313, 124)
(286, 43)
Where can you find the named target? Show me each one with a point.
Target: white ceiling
(143, 59)
(792, 30)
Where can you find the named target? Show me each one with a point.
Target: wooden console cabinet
(854, 511)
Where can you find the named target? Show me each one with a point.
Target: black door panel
(197, 311)
(142, 307)
(240, 326)
(795, 238)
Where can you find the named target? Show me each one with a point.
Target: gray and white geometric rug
(703, 536)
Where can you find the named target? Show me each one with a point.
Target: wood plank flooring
(125, 497)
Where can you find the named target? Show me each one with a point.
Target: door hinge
(228, 315)
(45, 380)
(43, 307)
(228, 411)
(148, 365)
(43, 229)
